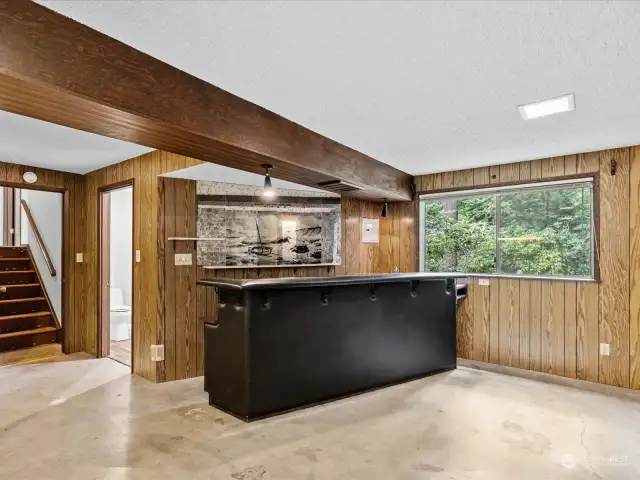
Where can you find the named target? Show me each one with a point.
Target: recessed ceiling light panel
(566, 103)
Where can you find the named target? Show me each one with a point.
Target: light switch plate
(157, 353)
(137, 256)
(605, 349)
(79, 257)
(183, 259)
(484, 281)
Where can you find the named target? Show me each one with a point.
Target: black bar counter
(280, 344)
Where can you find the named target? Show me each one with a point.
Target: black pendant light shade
(268, 190)
(385, 208)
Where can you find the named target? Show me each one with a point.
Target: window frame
(521, 185)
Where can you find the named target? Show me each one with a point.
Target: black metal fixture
(385, 208)
(614, 166)
(268, 190)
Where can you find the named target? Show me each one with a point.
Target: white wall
(46, 208)
(121, 240)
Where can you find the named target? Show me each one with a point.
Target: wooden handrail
(43, 248)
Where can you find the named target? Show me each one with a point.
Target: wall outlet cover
(183, 259)
(605, 349)
(484, 281)
(157, 353)
(79, 257)
(137, 256)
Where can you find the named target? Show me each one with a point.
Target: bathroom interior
(120, 273)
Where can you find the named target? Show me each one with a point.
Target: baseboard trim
(620, 392)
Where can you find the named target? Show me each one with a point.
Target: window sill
(526, 277)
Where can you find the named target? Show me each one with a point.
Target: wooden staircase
(26, 316)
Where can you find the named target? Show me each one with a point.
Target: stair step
(20, 300)
(22, 333)
(26, 285)
(5, 272)
(14, 252)
(16, 259)
(24, 315)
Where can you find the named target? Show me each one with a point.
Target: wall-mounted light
(385, 208)
(30, 177)
(268, 190)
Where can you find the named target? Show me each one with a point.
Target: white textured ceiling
(423, 86)
(36, 143)
(219, 173)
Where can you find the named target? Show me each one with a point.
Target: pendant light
(268, 190)
(385, 208)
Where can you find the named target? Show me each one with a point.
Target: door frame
(65, 304)
(103, 326)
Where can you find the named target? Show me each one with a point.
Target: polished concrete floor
(89, 419)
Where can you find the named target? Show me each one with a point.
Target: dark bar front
(281, 344)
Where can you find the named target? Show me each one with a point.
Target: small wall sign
(370, 230)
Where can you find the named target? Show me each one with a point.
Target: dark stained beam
(58, 70)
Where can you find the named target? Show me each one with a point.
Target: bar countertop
(295, 282)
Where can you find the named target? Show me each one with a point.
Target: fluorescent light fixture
(565, 103)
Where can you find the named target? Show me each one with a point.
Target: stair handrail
(43, 247)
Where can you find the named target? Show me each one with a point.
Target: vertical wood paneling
(509, 172)
(570, 329)
(463, 178)
(386, 263)
(587, 331)
(509, 322)
(552, 167)
(494, 320)
(634, 269)
(407, 232)
(525, 322)
(525, 170)
(447, 180)
(169, 280)
(570, 164)
(553, 327)
(351, 235)
(588, 162)
(536, 169)
(481, 176)
(614, 267)
(464, 327)
(535, 326)
(481, 316)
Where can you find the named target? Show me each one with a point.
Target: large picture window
(543, 229)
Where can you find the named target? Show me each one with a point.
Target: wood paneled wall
(183, 307)
(556, 326)
(144, 171)
(72, 186)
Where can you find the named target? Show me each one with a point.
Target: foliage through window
(525, 230)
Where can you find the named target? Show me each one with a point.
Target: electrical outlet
(183, 259)
(605, 349)
(137, 256)
(157, 353)
(483, 281)
(79, 258)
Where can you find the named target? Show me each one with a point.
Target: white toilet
(120, 316)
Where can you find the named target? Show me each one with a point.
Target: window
(543, 229)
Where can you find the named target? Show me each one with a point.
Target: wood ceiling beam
(58, 70)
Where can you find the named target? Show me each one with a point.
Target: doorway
(115, 296)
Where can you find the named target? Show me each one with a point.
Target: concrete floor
(85, 419)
